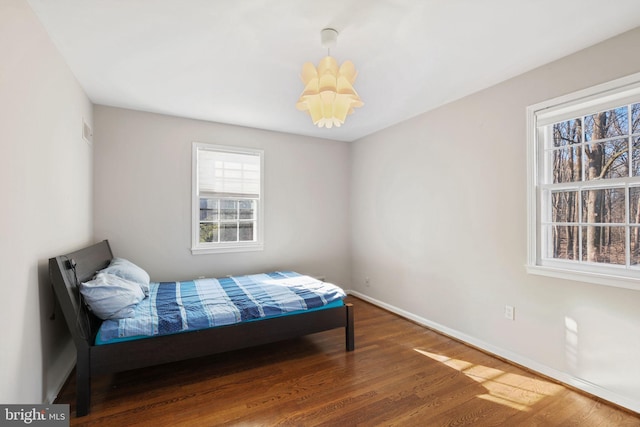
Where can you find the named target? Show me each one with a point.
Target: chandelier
(328, 94)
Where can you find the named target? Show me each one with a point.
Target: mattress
(176, 307)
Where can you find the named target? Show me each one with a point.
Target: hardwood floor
(400, 374)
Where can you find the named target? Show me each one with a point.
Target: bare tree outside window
(583, 185)
(593, 192)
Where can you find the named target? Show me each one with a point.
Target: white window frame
(198, 247)
(609, 95)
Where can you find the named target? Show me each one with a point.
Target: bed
(69, 270)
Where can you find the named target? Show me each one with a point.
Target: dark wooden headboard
(66, 273)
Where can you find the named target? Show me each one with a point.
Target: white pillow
(128, 270)
(111, 297)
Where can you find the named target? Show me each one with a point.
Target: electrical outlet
(509, 312)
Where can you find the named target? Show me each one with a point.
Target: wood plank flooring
(400, 374)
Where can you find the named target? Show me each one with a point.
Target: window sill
(199, 250)
(588, 277)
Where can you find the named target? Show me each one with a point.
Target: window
(584, 185)
(227, 199)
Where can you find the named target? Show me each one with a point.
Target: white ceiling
(239, 62)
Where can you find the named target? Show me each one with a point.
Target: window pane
(603, 206)
(223, 172)
(617, 122)
(616, 159)
(634, 205)
(247, 209)
(208, 232)
(229, 232)
(636, 157)
(246, 231)
(565, 241)
(564, 206)
(606, 159)
(635, 245)
(567, 165)
(603, 245)
(227, 220)
(228, 209)
(635, 118)
(208, 209)
(614, 206)
(567, 133)
(606, 124)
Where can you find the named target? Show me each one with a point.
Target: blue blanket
(173, 307)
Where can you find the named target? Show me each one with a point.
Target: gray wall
(46, 187)
(439, 228)
(142, 197)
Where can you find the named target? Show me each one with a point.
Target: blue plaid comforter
(173, 307)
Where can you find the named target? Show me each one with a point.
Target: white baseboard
(516, 358)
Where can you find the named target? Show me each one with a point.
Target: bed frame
(67, 271)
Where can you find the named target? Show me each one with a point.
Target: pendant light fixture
(328, 94)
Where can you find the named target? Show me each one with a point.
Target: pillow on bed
(128, 270)
(111, 297)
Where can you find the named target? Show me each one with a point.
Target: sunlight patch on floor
(515, 391)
